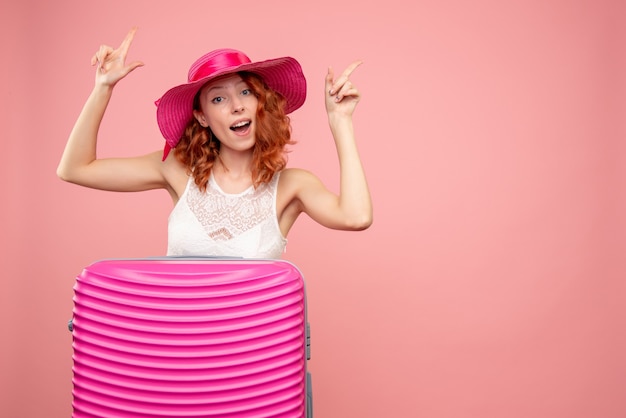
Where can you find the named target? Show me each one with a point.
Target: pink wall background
(492, 282)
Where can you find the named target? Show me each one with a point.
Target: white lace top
(215, 223)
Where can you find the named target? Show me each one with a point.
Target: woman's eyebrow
(221, 86)
(214, 88)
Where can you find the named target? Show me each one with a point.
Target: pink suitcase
(190, 337)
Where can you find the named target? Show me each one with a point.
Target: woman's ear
(200, 118)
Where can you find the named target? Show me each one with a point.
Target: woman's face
(228, 106)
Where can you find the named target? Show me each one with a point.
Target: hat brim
(175, 107)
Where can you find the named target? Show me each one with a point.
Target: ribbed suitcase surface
(190, 338)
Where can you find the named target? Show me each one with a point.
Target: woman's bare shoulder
(294, 177)
(175, 174)
(296, 182)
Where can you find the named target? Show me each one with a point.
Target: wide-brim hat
(175, 107)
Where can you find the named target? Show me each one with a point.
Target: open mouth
(240, 126)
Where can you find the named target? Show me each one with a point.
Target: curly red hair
(198, 148)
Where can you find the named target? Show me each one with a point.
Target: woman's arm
(79, 163)
(352, 208)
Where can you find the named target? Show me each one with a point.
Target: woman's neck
(236, 165)
(233, 176)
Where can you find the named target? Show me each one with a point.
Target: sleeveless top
(215, 223)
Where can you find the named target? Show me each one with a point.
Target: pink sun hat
(175, 107)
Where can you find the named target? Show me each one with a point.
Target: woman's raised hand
(111, 64)
(341, 95)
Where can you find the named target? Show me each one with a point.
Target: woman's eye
(246, 92)
(217, 99)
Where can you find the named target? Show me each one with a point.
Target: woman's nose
(237, 106)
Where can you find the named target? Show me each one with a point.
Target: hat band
(219, 62)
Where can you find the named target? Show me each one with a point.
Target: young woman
(227, 128)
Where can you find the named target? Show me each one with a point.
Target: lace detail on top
(215, 223)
